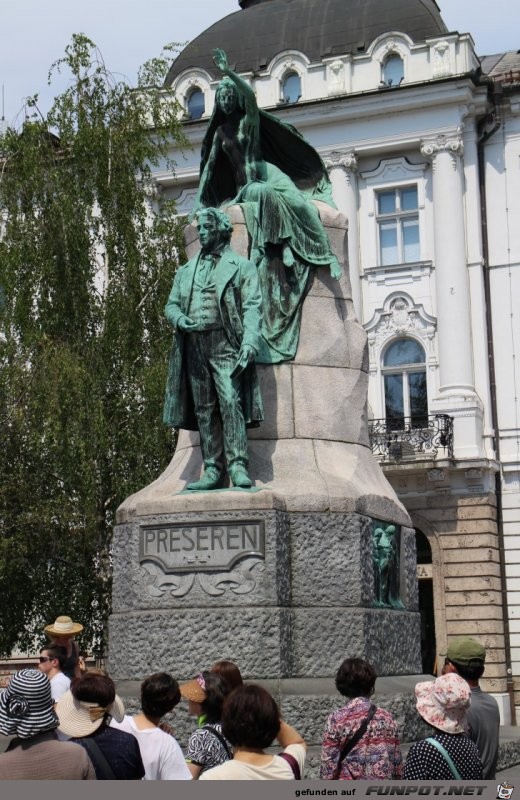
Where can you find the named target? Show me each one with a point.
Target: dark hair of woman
(94, 687)
(355, 678)
(159, 694)
(230, 672)
(216, 690)
(250, 717)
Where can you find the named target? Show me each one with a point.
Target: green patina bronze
(252, 158)
(215, 309)
(385, 558)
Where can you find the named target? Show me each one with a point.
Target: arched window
(404, 378)
(393, 70)
(195, 103)
(291, 88)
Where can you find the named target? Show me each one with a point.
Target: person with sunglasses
(51, 661)
(62, 632)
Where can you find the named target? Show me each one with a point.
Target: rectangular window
(398, 225)
(418, 399)
(394, 402)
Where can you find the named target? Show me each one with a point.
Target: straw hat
(443, 703)
(63, 626)
(26, 706)
(194, 690)
(78, 718)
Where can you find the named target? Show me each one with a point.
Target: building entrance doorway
(426, 604)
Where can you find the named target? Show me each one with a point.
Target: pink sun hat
(443, 703)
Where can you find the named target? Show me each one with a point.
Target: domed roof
(318, 28)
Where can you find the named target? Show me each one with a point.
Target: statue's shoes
(210, 480)
(239, 476)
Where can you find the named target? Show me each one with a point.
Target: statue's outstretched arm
(242, 87)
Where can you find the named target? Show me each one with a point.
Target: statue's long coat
(239, 301)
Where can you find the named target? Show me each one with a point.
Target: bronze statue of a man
(215, 309)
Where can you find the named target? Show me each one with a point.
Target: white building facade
(421, 138)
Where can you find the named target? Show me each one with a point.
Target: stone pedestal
(279, 578)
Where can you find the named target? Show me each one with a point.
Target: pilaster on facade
(457, 395)
(343, 167)
(454, 507)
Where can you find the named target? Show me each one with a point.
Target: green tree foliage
(85, 270)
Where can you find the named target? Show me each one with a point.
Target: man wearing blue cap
(466, 657)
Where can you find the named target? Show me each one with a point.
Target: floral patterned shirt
(377, 755)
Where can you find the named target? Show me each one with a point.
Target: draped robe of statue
(277, 205)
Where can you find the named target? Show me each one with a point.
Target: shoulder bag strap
(93, 749)
(352, 742)
(293, 765)
(221, 739)
(442, 750)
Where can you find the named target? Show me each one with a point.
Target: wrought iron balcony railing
(411, 438)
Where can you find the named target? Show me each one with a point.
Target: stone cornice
(411, 98)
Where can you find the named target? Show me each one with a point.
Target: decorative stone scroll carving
(241, 580)
(452, 145)
(337, 77)
(346, 161)
(441, 60)
(400, 316)
(436, 474)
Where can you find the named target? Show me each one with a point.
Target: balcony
(411, 439)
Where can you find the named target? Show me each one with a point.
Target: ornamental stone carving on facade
(336, 82)
(217, 557)
(435, 475)
(441, 60)
(347, 161)
(400, 316)
(452, 145)
(241, 580)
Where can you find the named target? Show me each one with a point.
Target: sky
(34, 34)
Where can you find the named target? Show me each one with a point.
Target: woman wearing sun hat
(27, 712)
(85, 712)
(448, 753)
(62, 632)
(207, 746)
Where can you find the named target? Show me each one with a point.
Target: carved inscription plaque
(208, 546)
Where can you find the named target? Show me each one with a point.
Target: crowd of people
(67, 722)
